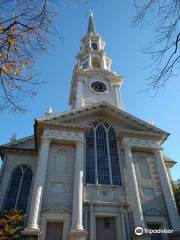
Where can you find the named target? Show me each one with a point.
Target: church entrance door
(105, 228)
(54, 230)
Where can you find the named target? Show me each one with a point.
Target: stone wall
(59, 176)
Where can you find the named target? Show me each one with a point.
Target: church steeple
(91, 25)
(92, 54)
(93, 81)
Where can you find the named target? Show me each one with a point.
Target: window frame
(23, 168)
(106, 127)
(93, 41)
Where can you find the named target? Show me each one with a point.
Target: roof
(169, 161)
(72, 120)
(106, 107)
(26, 142)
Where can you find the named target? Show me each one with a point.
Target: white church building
(94, 172)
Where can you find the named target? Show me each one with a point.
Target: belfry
(93, 81)
(94, 172)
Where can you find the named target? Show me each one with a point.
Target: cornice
(114, 204)
(90, 35)
(139, 134)
(64, 126)
(90, 50)
(106, 73)
(19, 150)
(16, 142)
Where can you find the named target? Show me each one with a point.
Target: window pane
(25, 189)
(102, 156)
(13, 190)
(90, 161)
(85, 65)
(116, 176)
(94, 45)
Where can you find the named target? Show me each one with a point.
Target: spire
(91, 25)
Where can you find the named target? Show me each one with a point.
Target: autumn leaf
(17, 72)
(7, 68)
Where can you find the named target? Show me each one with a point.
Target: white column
(91, 221)
(117, 95)
(133, 189)
(79, 96)
(123, 224)
(35, 207)
(90, 61)
(78, 188)
(167, 191)
(103, 62)
(127, 225)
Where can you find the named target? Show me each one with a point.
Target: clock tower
(92, 80)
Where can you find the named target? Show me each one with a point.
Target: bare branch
(165, 49)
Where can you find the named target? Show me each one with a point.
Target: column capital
(79, 142)
(155, 150)
(116, 84)
(126, 146)
(46, 139)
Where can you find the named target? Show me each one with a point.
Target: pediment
(153, 212)
(102, 112)
(58, 208)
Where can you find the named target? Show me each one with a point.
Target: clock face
(98, 86)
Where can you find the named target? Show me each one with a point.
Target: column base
(76, 234)
(31, 231)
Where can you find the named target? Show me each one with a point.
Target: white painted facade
(56, 154)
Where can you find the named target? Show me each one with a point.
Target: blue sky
(123, 45)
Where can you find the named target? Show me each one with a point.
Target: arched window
(95, 62)
(18, 193)
(102, 158)
(94, 44)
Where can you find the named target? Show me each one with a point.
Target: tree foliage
(11, 225)
(176, 191)
(25, 28)
(164, 49)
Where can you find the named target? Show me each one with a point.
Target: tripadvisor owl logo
(139, 231)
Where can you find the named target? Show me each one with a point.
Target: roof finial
(90, 13)
(49, 111)
(91, 25)
(13, 138)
